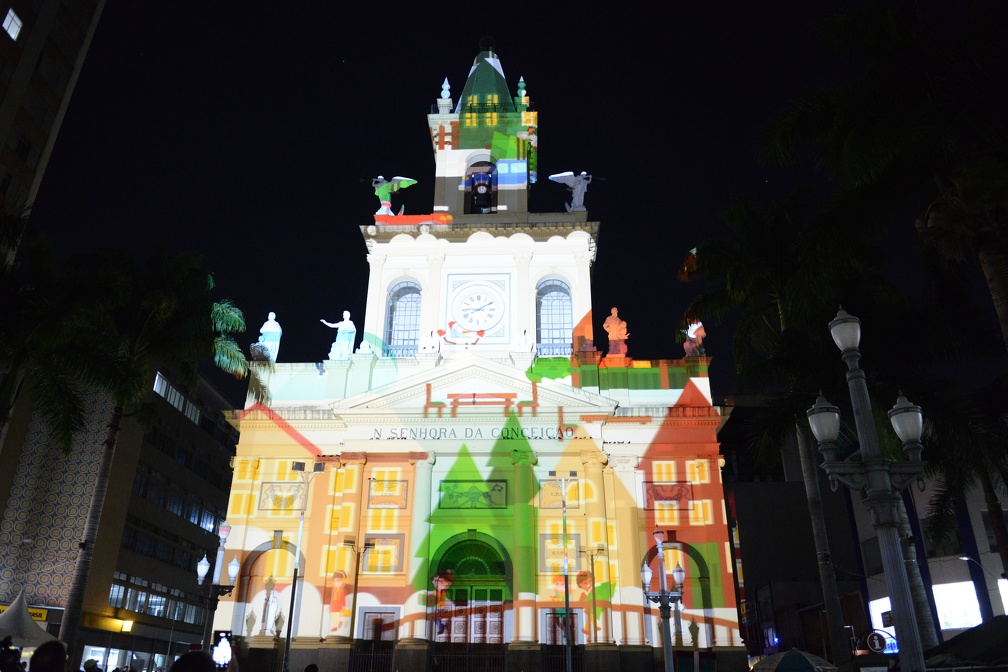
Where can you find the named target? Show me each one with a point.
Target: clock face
(478, 308)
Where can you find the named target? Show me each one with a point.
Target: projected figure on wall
(593, 593)
(384, 189)
(694, 340)
(339, 610)
(346, 334)
(577, 185)
(442, 614)
(268, 345)
(617, 331)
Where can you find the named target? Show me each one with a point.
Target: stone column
(581, 300)
(524, 294)
(430, 319)
(353, 484)
(595, 523)
(524, 550)
(377, 296)
(629, 627)
(415, 618)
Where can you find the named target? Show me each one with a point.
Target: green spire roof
(486, 80)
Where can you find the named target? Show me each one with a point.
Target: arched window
(402, 322)
(554, 321)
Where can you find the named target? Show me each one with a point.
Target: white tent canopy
(18, 623)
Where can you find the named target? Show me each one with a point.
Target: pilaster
(629, 627)
(415, 620)
(524, 561)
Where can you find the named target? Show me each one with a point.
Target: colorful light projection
(458, 535)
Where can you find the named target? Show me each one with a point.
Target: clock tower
(482, 472)
(481, 274)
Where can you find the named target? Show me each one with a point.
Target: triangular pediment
(472, 385)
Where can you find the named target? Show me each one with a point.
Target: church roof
(486, 78)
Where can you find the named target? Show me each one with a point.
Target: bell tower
(481, 274)
(485, 144)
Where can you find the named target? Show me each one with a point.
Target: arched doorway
(472, 586)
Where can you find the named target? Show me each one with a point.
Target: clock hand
(488, 303)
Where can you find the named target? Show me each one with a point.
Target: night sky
(249, 132)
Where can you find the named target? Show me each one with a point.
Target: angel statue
(694, 340)
(384, 189)
(577, 185)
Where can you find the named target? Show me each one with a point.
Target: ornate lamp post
(882, 479)
(562, 482)
(591, 555)
(665, 598)
(306, 478)
(214, 590)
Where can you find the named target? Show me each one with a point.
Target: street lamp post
(358, 554)
(665, 598)
(562, 482)
(214, 590)
(969, 558)
(882, 479)
(306, 478)
(591, 555)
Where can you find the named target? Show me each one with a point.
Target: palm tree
(784, 275)
(141, 317)
(969, 436)
(39, 357)
(922, 125)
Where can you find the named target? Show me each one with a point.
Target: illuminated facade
(474, 418)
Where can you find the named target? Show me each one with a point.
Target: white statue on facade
(271, 612)
(268, 346)
(346, 334)
(430, 344)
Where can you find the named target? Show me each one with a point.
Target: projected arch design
(264, 591)
(472, 584)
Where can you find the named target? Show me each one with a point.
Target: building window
(116, 594)
(554, 321)
(989, 529)
(23, 148)
(698, 471)
(402, 324)
(12, 24)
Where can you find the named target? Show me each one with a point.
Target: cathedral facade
(472, 467)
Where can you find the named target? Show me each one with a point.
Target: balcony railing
(554, 349)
